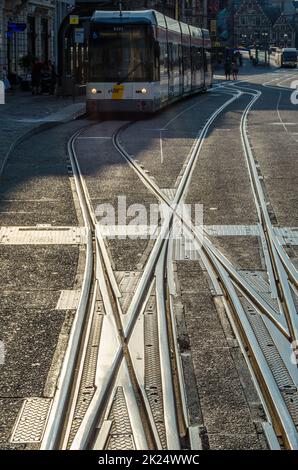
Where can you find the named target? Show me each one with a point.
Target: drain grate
(87, 386)
(121, 435)
(31, 421)
(275, 362)
(153, 385)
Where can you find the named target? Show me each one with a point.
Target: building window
(31, 50)
(252, 21)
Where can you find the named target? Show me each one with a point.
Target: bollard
(2, 92)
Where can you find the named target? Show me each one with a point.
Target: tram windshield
(121, 53)
(290, 56)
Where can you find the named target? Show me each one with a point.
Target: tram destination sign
(109, 4)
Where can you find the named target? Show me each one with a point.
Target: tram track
(99, 288)
(101, 282)
(281, 274)
(119, 369)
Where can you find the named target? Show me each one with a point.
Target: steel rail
(244, 288)
(157, 253)
(88, 422)
(153, 187)
(85, 431)
(268, 232)
(169, 405)
(58, 409)
(52, 435)
(105, 379)
(171, 290)
(165, 229)
(80, 372)
(264, 374)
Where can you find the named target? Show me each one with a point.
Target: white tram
(140, 61)
(286, 57)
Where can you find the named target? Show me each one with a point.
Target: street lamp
(285, 40)
(265, 41)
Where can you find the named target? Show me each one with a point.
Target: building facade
(190, 11)
(251, 23)
(284, 32)
(266, 23)
(29, 29)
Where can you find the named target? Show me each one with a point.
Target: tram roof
(131, 17)
(143, 17)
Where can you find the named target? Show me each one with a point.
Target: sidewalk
(22, 113)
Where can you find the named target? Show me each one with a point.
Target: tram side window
(205, 61)
(186, 58)
(208, 60)
(163, 58)
(176, 58)
(196, 59)
(180, 57)
(170, 58)
(200, 60)
(158, 61)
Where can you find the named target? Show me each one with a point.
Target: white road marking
(83, 138)
(282, 123)
(156, 130)
(161, 147)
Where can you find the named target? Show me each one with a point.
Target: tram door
(207, 68)
(181, 70)
(171, 69)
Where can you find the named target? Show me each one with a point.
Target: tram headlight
(93, 91)
(144, 91)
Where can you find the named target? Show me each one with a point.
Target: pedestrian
(227, 67)
(36, 77)
(235, 70)
(6, 82)
(52, 70)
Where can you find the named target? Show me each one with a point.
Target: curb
(43, 126)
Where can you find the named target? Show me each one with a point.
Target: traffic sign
(79, 35)
(74, 19)
(16, 27)
(213, 26)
